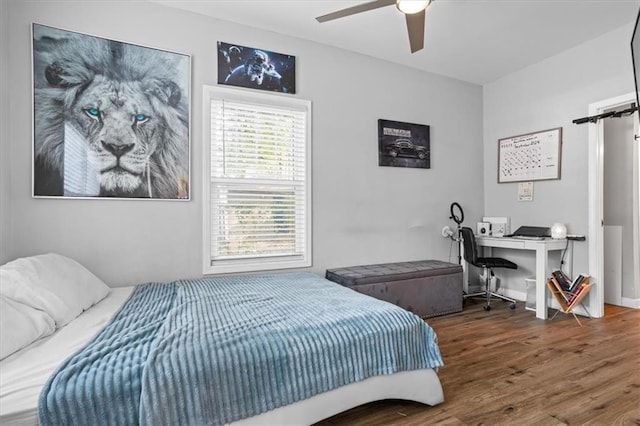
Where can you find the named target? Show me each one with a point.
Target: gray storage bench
(425, 287)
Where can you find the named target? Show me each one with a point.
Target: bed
(293, 377)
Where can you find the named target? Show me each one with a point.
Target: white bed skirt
(419, 385)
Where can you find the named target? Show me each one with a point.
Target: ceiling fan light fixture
(412, 6)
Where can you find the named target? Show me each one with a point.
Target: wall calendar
(532, 156)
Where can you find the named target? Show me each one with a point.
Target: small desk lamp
(558, 231)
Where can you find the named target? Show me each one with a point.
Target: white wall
(551, 94)
(5, 152)
(362, 213)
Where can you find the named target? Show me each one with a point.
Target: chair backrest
(469, 245)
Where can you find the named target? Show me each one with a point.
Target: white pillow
(52, 283)
(21, 325)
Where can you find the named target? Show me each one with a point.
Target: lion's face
(119, 125)
(110, 115)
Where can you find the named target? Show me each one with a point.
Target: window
(257, 197)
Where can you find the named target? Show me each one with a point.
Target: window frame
(257, 263)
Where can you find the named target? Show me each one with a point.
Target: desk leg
(541, 286)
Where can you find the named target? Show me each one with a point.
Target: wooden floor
(507, 367)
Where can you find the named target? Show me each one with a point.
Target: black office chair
(487, 264)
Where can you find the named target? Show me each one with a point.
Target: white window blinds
(258, 193)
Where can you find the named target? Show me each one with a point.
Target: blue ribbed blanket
(216, 350)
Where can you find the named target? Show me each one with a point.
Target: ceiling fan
(414, 11)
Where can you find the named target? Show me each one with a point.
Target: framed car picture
(403, 144)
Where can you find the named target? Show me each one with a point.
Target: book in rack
(568, 293)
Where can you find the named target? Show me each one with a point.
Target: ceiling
(477, 41)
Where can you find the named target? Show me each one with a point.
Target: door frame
(596, 199)
(635, 303)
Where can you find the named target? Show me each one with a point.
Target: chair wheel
(487, 307)
(512, 306)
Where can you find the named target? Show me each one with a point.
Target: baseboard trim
(628, 302)
(514, 294)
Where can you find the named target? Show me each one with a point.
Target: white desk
(542, 249)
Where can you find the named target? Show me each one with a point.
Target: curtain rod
(616, 114)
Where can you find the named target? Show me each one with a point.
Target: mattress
(215, 350)
(23, 374)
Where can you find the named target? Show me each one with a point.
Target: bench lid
(368, 274)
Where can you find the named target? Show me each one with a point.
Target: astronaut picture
(255, 68)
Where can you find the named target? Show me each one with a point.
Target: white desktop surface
(542, 248)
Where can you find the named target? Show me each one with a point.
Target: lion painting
(111, 119)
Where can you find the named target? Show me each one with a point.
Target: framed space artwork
(111, 119)
(254, 68)
(403, 144)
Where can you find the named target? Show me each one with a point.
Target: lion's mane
(64, 68)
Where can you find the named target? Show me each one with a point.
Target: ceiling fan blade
(364, 7)
(415, 27)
